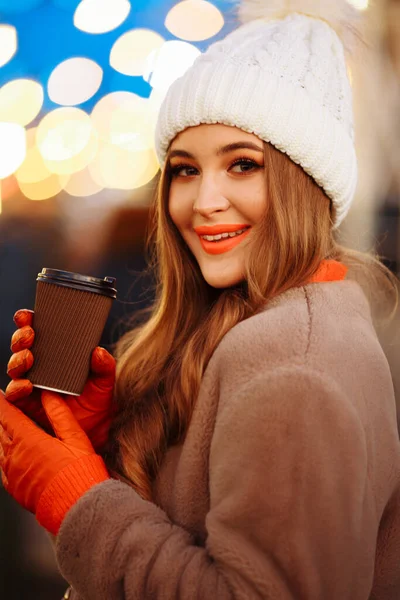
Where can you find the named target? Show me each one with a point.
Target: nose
(210, 197)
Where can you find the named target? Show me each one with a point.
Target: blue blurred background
(81, 82)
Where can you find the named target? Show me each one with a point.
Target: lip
(224, 245)
(219, 228)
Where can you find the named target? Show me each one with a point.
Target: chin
(222, 280)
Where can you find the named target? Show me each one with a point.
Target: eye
(244, 165)
(183, 171)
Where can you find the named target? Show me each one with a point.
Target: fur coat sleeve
(292, 508)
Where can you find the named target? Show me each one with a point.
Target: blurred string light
(113, 146)
(21, 101)
(82, 184)
(34, 178)
(12, 149)
(118, 168)
(67, 140)
(165, 64)
(74, 81)
(125, 120)
(42, 190)
(101, 16)
(8, 43)
(33, 169)
(359, 4)
(126, 158)
(129, 53)
(194, 20)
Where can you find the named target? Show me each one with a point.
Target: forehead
(208, 136)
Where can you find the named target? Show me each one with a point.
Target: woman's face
(218, 190)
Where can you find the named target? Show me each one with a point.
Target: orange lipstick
(223, 245)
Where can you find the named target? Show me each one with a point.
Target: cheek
(180, 209)
(255, 209)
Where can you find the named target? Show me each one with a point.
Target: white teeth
(216, 238)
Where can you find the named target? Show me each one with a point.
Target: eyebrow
(221, 151)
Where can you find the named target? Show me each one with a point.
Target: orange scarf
(329, 270)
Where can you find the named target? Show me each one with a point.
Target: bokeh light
(130, 51)
(33, 169)
(165, 64)
(67, 140)
(125, 120)
(194, 20)
(151, 169)
(21, 101)
(100, 16)
(8, 43)
(82, 184)
(74, 81)
(42, 190)
(12, 148)
(117, 168)
(95, 139)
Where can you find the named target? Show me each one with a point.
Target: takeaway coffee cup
(71, 311)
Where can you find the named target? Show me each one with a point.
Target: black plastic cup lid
(77, 281)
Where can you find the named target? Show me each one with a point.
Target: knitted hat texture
(282, 75)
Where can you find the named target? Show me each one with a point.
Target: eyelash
(177, 168)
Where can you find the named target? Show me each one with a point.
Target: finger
(31, 405)
(97, 394)
(22, 338)
(18, 389)
(13, 421)
(23, 317)
(63, 421)
(102, 364)
(19, 364)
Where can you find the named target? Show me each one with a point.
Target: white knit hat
(282, 75)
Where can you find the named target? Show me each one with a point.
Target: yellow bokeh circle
(129, 53)
(21, 100)
(67, 140)
(194, 20)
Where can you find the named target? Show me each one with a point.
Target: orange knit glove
(93, 409)
(46, 474)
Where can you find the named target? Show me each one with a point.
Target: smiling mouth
(223, 242)
(223, 236)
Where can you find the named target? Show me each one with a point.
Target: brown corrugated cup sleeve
(68, 325)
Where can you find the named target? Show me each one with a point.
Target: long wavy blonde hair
(161, 362)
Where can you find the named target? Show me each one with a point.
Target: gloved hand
(45, 474)
(93, 409)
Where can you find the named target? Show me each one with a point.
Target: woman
(254, 451)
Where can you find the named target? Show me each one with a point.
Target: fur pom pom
(339, 14)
